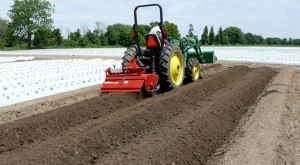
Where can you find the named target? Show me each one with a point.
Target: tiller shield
(131, 78)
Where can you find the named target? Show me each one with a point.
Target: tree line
(31, 26)
(235, 36)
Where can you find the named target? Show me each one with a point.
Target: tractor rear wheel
(192, 70)
(129, 54)
(171, 67)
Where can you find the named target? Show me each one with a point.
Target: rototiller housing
(164, 64)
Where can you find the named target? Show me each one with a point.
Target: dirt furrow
(100, 138)
(194, 135)
(42, 126)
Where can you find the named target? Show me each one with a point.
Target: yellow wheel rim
(196, 72)
(176, 68)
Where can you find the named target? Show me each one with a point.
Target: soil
(269, 132)
(238, 113)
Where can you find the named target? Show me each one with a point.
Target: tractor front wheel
(192, 70)
(171, 67)
(129, 54)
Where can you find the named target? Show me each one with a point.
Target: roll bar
(135, 26)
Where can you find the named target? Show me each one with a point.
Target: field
(245, 110)
(23, 81)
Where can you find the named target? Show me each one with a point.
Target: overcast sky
(269, 18)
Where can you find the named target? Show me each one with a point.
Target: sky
(268, 18)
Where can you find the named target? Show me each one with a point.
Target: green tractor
(163, 65)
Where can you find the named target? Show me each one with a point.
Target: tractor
(163, 65)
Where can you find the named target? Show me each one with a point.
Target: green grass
(13, 48)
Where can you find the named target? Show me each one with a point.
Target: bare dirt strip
(269, 132)
(29, 108)
(184, 126)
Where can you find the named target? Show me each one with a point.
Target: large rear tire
(129, 54)
(192, 70)
(171, 68)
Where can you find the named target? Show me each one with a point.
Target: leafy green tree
(296, 41)
(56, 37)
(219, 39)
(103, 40)
(173, 31)
(112, 35)
(120, 34)
(97, 41)
(30, 15)
(261, 39)
(225, 38)
(235, 35)
(91, 36)
(70, 43)
(2, 43)
(211, 40)
(257, 40)
(273, 41)
(269, 41)
(143, 29)
(3, 28)
(4, 25)
(284, 41)
(10, 38)
(142, 39)
(125, 38)
(191, 29)
(290, 41)
(249, 38)
(41, 36)
(277, 41)
(75, 36)
(204, 36)
(84, 42)
(252, 39)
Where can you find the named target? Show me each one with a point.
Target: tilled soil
(184, 126)
(269, 132)
(29, 108)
